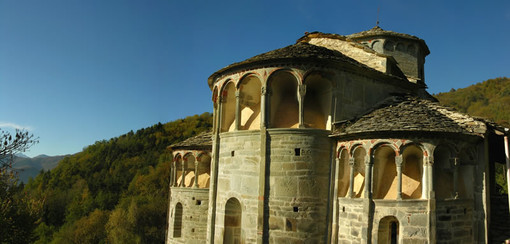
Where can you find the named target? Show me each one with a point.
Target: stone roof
(378, 31)
(298, 51)
(410, 114)
(200, 141)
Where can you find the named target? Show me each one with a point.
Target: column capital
(399, 160)
(265, 90)
(454, 161)
(351, 161)
(238, 93)
(302, 89)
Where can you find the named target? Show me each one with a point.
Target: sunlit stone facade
(333, 140)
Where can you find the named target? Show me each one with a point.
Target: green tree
(18, 213)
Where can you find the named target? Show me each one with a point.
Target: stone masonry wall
(238, 177)
(454, 221)
(412, 216)
(299, 162)
(350, 220)
(194, 215)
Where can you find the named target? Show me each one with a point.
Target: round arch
(283, 101)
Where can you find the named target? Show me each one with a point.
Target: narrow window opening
(178, 220)
(394, 233)
(296, 209)
(198, 202)
(232, 153)
(343, 209)
(297, 151)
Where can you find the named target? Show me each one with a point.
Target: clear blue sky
(75, 72)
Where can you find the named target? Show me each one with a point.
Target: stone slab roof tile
(300, 50)
(200, 141)
(413, 115)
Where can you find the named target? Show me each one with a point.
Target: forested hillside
(114, 191)
(489, 99)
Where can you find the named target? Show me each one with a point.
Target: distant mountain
(30, 167)
(489, 99)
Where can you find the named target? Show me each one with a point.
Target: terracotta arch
(359, 155)
(344, 170)
(204, 169)
(412, 170)
(384, 171)
(189, 169)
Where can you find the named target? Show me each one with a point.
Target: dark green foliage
(489, 99)
(114, 191)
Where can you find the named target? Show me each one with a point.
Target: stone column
(301, 100)
(455, 162)
(264, 107)
(196, 173)
(398, 163)
(237, 122)
(174, 182)
(351, 177)
(368, 176)
(183, 177)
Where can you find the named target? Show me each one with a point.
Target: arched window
(358, 187)
(228, 109)
(317, 102)
(343, 173)
(385, 173)
(284, 107)
(204, 171)
(388, 230)
(412, 171)
(249, 103)
(178, 171)
(189, 178)
(178, 220)
(233, 222)
(443, 172)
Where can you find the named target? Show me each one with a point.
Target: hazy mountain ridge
(30, 167)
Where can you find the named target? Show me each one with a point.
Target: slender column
(174, 182)
(238, 111)
(368, 177)
(301, 96)
(196, 173)
(455, 162)
(264, 107)
(398, 163)
(183, 177)
(351, 177)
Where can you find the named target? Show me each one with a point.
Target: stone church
(334, 139)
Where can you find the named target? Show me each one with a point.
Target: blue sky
(75, 72)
